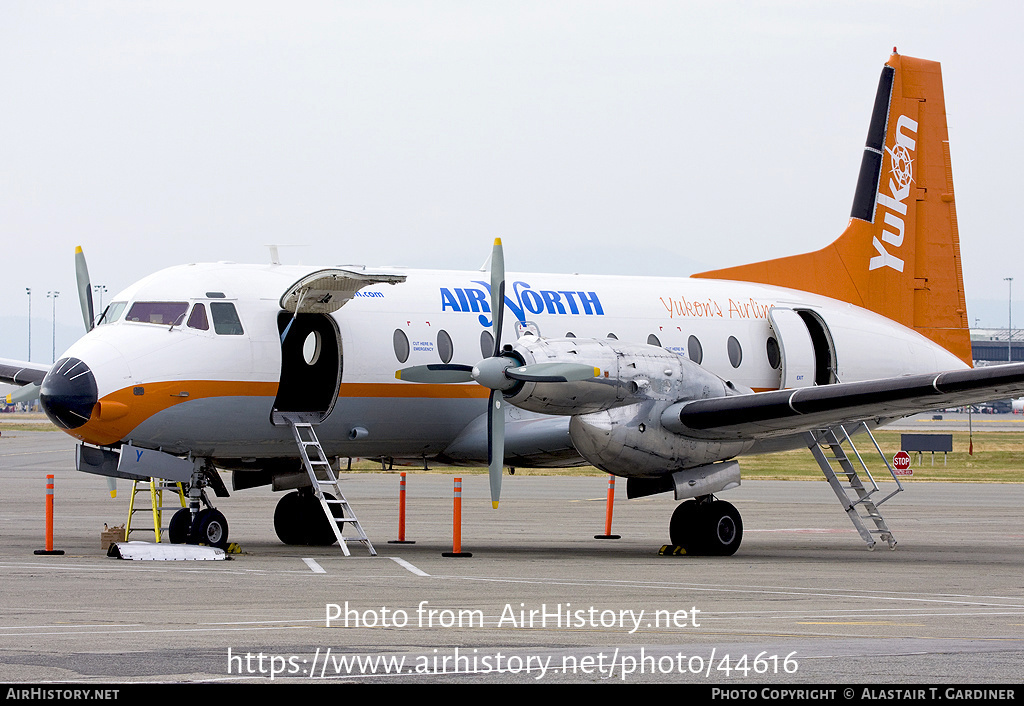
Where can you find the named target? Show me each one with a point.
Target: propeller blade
(25, 394)
(495, 444)
(497, 293)
(553, 372)
(112, 486)
(437, 373)
(84, 288)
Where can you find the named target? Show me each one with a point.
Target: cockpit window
(166, 313)
(225, 319)
(197, 319)
(112, 313)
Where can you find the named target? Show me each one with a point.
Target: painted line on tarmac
(314, 567)
(406, 565)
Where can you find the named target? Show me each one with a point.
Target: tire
(722, 529)
(180, 526)
(684, 528)
(299, 520)
(210, 528)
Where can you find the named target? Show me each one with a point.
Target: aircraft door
(796, 347)
(311, 362)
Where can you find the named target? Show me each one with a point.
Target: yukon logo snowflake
(894, 203)
(901, 166)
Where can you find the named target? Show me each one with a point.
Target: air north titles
(523, 300)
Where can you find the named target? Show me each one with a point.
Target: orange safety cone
(401, 513)
(608, 512)
(49, 520)
(457, 523)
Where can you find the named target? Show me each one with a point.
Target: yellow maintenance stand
(154, 488)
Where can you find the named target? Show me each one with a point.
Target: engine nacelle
(629, 373)
(616, 422)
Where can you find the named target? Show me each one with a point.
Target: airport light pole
(1009, 320)
(99, 289)
(28, 291)
(53, 318)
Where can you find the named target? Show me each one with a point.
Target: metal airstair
(860, 505)
(337, 510)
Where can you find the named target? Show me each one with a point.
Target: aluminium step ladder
(861, 507)
(155, 488)
(321, 475)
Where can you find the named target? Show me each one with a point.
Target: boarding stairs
(338, 511)
(835, 453)
(154, 488)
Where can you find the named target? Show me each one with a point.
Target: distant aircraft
(663, 381)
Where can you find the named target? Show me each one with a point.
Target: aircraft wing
(28, 375)
(768, 414)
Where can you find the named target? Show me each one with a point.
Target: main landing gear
(706, 526)
(300, 520)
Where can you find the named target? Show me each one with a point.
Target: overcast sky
(613, 137)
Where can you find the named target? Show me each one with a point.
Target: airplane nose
(68, 393)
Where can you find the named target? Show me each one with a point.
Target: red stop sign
(901, 461)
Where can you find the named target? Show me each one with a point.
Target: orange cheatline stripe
(130, 410)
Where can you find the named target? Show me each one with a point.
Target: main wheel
(210, 528)
(722, 529)
(684, 528)
(299, 520)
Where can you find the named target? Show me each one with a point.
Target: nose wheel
(192, 525)
(706, 527)
(210, 528)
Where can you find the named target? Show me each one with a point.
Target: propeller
(499, 372)
(84, 289)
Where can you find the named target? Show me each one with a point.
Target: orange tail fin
(900, 254)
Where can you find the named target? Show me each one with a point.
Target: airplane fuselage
(167, 382)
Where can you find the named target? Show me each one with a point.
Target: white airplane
(663, 381)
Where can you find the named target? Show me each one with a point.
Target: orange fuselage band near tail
(900, 254)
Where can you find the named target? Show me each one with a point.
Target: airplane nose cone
(68, 393)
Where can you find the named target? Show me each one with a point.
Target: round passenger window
(486, 344)
(695, 350)
(401, 345)
(445, 349)
(774, 354)
(735, 352)
(652, 340)
(311, 348)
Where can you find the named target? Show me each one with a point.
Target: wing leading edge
(28, 375)
(784, 412)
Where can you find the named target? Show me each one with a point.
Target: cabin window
(445, 349)
(486, 344)
(612, 336)
(401, 342)
(112, 313)
(695, 350)
(774, 354)
(735, 352)
(225, 319)
(653, 340)
(311, 348)
(570, 334)
(164, 313)
(197, 319)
